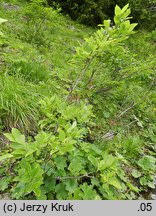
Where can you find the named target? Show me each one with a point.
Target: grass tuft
(18, 105)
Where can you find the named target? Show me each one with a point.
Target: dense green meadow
(77, 105)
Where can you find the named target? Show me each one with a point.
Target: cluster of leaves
(70, 157)
(99, 48)
(59, 164)
(147, 167)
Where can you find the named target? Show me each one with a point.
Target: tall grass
(30, 71)
(18, 104)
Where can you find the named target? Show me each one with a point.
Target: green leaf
(37, 191)
(72, 127)
(18, 191)
(15, 136)
(143, 181)
(106, 114)
(136, 173)
(93, 160)
(49, 183)
(10, 137)
(117, 10)
(88, 192)
(22, 148)
(95, 148)
(32, 148)
(132, 187)
(49, 168)
(125, 8)
(62, 135)
(19, 138)
(108, 162)
(61, 193)
(2, 170)
(4, 182)
(107, 24)
(42, 139)
(115, 182)
(60, 162)
(41, 197)
(6, 156)
(75, 166)
(71, 185)
(30, 176)
(67, 146)
(132, 26)
(18, 153)
(78, 194)
(151, 185)
(147, 163)
(2, 20)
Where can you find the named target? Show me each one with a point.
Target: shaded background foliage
(93, 12)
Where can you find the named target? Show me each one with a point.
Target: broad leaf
(147, 163)
(117, 10)
(2, 20)
(136, 173)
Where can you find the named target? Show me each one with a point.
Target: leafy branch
(103, 40)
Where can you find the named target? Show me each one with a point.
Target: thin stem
(142, 99)
(75, 177)
(126, 110)
(91, 77)
(107, 88)
(82, 73)
(92, 74)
